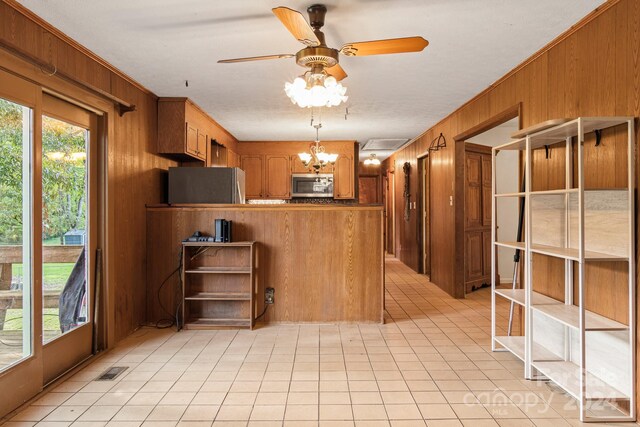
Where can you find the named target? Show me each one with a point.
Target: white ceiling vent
(383, 144)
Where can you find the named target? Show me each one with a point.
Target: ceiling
(163, 43)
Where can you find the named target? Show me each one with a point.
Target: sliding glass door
(68, 235)
(48, 227)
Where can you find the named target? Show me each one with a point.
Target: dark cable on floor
(263, 311)
(174, 318)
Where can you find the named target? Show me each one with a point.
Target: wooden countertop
(269, 207)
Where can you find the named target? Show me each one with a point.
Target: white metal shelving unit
(591, 357)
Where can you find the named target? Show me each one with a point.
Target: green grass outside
(55, 275)
(13, 320)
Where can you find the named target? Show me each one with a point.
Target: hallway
(430, 364)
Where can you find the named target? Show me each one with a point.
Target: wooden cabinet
(182, 129)
(280, 160)
(343, 178)
(297, 166)
(277, 177)
(253, 167)
(201, 148)
(192, 140)
(266, 176)
(186, 132)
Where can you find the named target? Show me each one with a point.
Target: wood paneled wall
(591, 70)
(135, 173)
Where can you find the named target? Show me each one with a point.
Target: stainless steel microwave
(311, 185)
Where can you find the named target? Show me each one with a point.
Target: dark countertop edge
(284, 206)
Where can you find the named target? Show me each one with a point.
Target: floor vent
(112, 373)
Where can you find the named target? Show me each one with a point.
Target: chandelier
(316, 88)
(317, 159)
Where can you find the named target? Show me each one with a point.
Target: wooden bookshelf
(219, 285)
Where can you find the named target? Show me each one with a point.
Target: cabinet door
(277, 177)
(343, 178)
(252, 165)
(201, 149)
(192, 140)
(297, 166)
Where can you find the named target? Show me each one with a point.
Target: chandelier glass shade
(316, 90)
(317, 159)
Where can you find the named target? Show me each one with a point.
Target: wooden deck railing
(10, 255)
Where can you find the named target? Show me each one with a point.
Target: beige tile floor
(430, 364)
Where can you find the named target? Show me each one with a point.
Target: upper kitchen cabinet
(185, 131)
(279, 160)
(277, 177)
(343, 178)
(266, 176)
(253, 167)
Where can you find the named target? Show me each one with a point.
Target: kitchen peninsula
(325, 262)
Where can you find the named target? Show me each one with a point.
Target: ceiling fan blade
(297, 25)
(337, 72)
(381, 47)
(255, 58)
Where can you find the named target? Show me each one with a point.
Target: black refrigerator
(206, 185)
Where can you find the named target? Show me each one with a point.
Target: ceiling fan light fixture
(316, 90)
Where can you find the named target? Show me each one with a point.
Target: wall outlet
(269, 297)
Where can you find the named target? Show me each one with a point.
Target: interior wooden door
(369, 190)
(477, 216)
(277, 177)
(252, 165)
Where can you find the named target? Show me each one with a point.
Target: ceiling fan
(320, 58)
